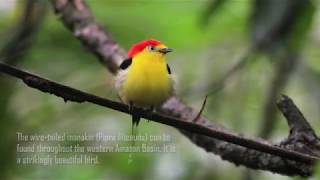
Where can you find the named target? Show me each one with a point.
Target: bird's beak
(165, 50)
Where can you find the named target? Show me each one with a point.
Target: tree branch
(70, 94)
(77, 17)
(283, 65)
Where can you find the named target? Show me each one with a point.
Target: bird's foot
(150, 111)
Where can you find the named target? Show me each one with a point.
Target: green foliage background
(203, 51)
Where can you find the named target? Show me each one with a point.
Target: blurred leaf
(278, 23)
(317, 171)
(302, 26)
(212, 8)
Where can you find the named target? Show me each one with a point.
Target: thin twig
(201, 109)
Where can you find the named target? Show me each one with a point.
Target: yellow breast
(148, 82)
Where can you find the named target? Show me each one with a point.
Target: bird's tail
(135, 123)
(134, 131)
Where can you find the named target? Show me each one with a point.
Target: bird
(145, 79)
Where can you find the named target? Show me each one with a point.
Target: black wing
(168, 69)
(125, 64)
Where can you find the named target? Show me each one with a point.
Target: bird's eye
(151, 48)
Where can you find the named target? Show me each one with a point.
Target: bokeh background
(244, 53)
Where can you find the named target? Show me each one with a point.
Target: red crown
(138, 47)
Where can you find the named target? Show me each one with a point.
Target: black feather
(168, 69)
(125, 64)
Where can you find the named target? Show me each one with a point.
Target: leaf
(302, 26)
(317, 171)
(212, 8)
(280, 23)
